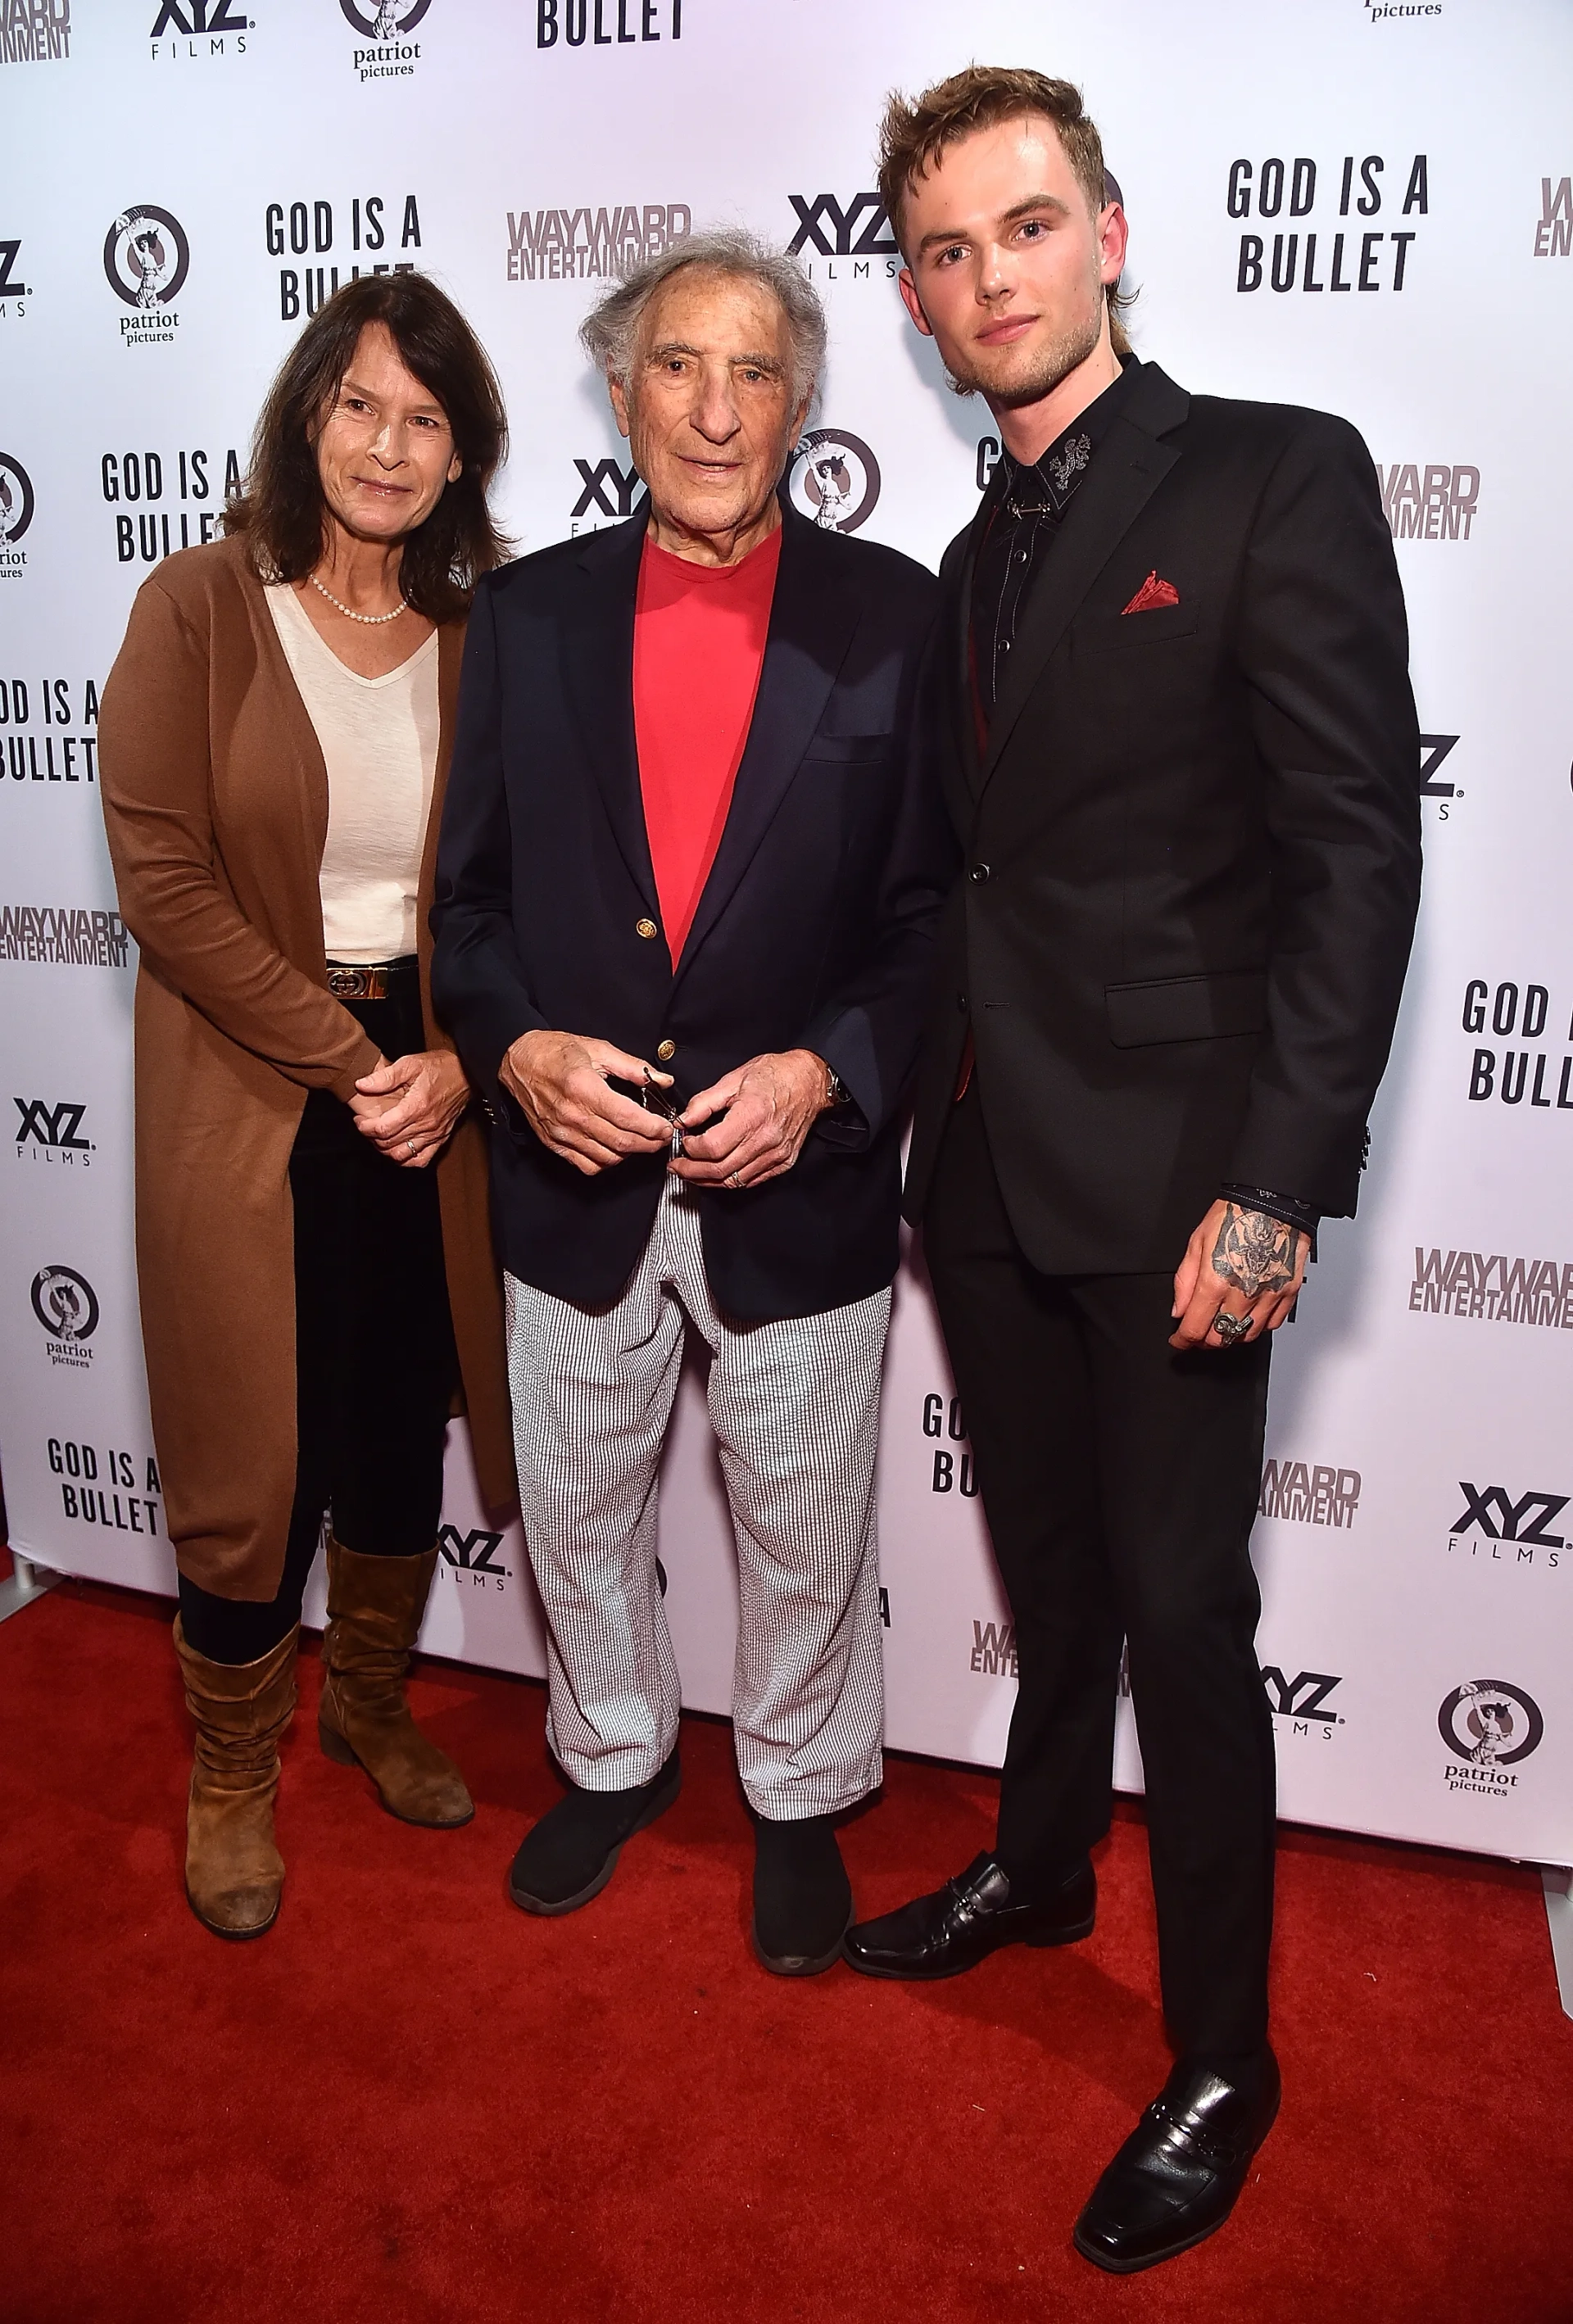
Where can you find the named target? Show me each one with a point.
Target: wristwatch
(836, 1090)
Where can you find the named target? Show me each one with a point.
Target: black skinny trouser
(375, 1357)
(1120, 1481)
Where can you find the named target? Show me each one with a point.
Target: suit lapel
(811, 621)
(597, 649)
(1126, 470)
(964, 715)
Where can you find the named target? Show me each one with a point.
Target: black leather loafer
(569, 1855)
(969, 1918)
(1177, 2177)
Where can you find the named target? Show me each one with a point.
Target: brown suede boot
(375, 1606)
(235, 1874)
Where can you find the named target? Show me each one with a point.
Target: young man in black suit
(690, 872)
(1180, 755)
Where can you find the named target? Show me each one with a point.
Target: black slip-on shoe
(569, 1855)
(969, 1918)
(1178, 2176)
(802, 1898)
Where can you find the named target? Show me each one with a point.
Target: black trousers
(1120, 1480)
(374, 1358)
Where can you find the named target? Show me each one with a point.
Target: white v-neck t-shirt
(379, 740)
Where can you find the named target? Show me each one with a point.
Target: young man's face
(1007, 263)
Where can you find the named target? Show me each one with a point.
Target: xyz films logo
(859, 230)
(1303, 1700)
(1490, 1726)
(50, 1130)
(1525, 1523)
(473, 1557)
(833, 479)
(66, 1304)
(606, 489)
(200, 18)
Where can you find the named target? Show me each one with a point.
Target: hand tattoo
(1254, 1252)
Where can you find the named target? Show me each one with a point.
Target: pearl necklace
(371, 619)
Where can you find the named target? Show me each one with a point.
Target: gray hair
(610, 331)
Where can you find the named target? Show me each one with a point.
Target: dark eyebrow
(347, 386)
(1006, 218)
(681, 348)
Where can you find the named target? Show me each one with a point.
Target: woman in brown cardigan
(318, 1283)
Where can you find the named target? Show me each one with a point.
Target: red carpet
(411, 2102)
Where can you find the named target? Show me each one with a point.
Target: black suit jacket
(814, 930)
(1192, 842)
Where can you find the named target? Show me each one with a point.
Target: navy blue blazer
(815, 928)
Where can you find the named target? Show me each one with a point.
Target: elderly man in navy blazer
(691, 867)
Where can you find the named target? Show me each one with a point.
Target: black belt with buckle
(374, 981)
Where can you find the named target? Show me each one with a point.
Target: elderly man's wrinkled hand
(761, 1112)
(560, 1082)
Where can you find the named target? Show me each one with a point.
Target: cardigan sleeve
(155, 772)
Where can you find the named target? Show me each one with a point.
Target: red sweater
(699, 647)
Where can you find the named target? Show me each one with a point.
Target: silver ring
(411, 1146)
(735, 1181)
(1230, 1328)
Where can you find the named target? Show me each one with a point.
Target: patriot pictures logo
(1476, 1286)
(1490, 1726)
(1554, 227)
(833, 479)
(1527, 1075)
(1326, 258)
(1429, 500)
(146, 257)
(1496, 1528)
(382, 24)
(189, 29)
(66, 1304)
(571, 246)
(15, 516)
(35, 32)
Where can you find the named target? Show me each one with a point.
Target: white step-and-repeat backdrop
(1366, 204)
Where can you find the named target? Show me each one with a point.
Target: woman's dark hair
(281, 509)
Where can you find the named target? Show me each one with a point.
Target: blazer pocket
(1104, 632)
(848, 749)
(1186, 1008)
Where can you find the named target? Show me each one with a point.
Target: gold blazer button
(665, 1049)
(646, 928)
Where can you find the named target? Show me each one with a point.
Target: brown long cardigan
(216, 799)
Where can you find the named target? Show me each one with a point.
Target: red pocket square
(1152, 592)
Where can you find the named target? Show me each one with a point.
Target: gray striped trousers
(795, 1408)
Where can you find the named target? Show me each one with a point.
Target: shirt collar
(1050, 480)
